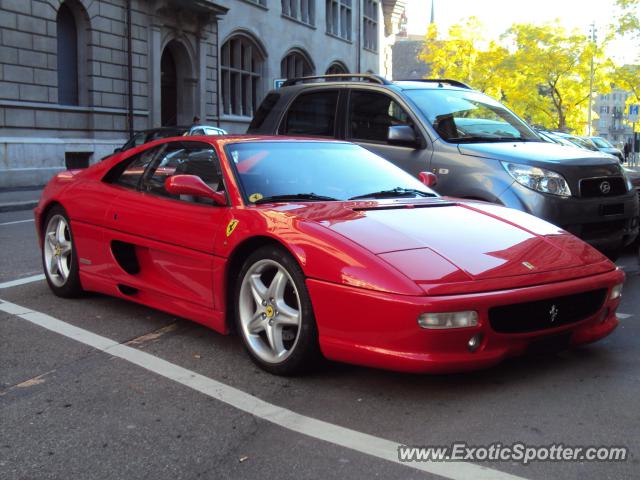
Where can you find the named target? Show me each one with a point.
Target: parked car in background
(604, 146)
(581, 142)
(146, 136)
(477, 147)
(553, 138)
(321, 248)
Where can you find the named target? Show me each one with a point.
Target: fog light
(448, 320)
(616, 292)
(474, 342)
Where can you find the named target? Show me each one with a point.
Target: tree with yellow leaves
(540, 72)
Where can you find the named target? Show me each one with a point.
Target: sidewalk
(12, 200)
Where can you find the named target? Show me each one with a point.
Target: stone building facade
(76, 76)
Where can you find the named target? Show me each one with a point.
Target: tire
(59, 257)
(274, 315)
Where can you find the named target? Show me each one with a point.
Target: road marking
(22, 281)
(623, 315)
(318, 429)
(17, 221)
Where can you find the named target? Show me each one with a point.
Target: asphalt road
(72, 411)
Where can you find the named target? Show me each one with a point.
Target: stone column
(155, 55)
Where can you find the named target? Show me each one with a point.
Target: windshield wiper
(395, 192)
(294, 196)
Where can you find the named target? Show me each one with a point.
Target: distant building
(611, 110)
(406, 64)
(69, 89)
(402, 49)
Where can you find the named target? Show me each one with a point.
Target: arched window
(296, 64)
(68, 93)
(241, 70)
(337, 68)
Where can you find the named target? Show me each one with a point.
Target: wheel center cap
(269, 311)
(57, 251)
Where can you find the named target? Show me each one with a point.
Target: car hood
(436, 242)
(534, 152)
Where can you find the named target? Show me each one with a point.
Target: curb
(18, 206)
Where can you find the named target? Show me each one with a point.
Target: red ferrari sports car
(316, 248)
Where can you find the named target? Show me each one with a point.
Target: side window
(371, 114)
(312, 114)
(265, 107)
(197, 131)
(185, 158)
(129, 172)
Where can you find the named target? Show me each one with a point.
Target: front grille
(599, 229)
(541, 314)
(597, 187)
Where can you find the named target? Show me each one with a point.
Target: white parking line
(17, 221)
(22, 281)
(318, 429)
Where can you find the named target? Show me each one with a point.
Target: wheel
(59, 257)
(274, 314)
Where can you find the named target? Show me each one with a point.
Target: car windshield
(470, 117)
(312, 171)
(601, 142)
(582, 142)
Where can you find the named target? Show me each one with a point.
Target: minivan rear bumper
(606, 223)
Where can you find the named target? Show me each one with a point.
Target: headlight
(539, 179)
(616, 292)
(448, 320)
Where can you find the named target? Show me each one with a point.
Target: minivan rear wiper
(294, 196)
(395, 192)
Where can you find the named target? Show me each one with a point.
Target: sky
(498, 15)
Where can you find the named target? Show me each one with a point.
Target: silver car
(477, 147)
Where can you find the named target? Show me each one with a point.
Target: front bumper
(380, 330)
(605, 223)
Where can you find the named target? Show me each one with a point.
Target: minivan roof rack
(364, 77)
(448, 81)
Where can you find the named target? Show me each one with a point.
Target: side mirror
(429, 179)
(193, 185)
(403, 135)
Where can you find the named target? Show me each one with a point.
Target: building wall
(611, 123)
(36, 132)
(278, 35)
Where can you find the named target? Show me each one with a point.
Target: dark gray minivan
(476, 146)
